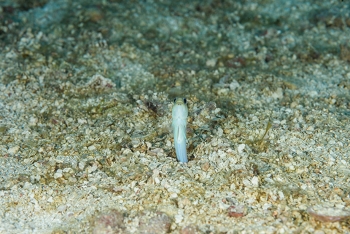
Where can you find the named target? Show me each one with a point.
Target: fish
(179, 122)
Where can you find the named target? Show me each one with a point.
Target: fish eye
(174, 100)
(185, 101)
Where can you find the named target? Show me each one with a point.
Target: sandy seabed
(86, 93)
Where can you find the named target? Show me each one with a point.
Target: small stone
(33, 121)
(234, 85)
(278, 94)
(61, 208)
(310, 129)
(155, 223)
(178, 218)
(82, 121)
(236, 211)
(313, 93)
(326, 213)
(92, 168)
(241, 148)
(205, 166)
(58, 174)
(255, 181)
(210, 62)
(110, 222)
(98, 82)
(220, 132)
(92, 147)
(13, 150)
(190, 229)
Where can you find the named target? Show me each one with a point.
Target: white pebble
(255, 181)
(220, 132)
(92, 147)
(178, 218)
(82, 121)
(13, 149)
(240, 148)
(58, 174)
(33, 121)
(92, 168)
(210, 62)
(281, 195)
(234, 85)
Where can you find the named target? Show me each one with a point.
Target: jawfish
(179, 122)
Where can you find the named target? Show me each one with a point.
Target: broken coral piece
(328, 213)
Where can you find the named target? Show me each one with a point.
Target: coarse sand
(86, 92)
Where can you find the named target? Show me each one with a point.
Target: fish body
(179, 122)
